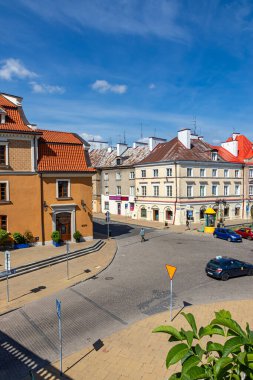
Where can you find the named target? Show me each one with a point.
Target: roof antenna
(141, 130)
(124, 141)
(155, 132)
(194, 121)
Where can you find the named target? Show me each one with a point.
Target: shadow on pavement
(17, 362)
(114, 229)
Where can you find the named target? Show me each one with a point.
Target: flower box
(20, 246)
(57, 243)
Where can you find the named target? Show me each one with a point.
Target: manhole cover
(109, 278)
(87, 271)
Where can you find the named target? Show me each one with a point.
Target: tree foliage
(210, 359)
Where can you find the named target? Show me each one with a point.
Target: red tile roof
(62, 152)
(245, 149)
(14, 120)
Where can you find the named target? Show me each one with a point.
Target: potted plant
(29, 237)
(77, 236)
(4, 237)
(56, 237)
(19, 240)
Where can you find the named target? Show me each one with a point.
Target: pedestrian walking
(142, 234)
(187, 224)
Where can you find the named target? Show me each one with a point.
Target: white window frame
(144, 191)
(189, 187)
(106, 176)
(169, 172)
(118, 176)
(7, 191)
(237, 189)
(228, 190)
(107, 205)
(6, 144)
(226, 173)
(217, 190)
(143, 171)
(189, 172)
(214, 156)
(131, 175)
(250, 173)
(132, 191)
(250, 189)
(169, 191)
(204, 192)
(155, 173)
(57, 188)
(118, 190)
(214, 172)
(237, 173)
(156, 191)
(202, 170)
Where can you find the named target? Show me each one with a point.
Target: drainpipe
(175, 208)
(243, 188)
(42, 210)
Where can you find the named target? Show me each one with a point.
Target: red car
(245, 232)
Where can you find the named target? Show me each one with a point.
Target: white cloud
(40, 88)
(12, 68)
(103, 86)
(152, 86)
(90, 137)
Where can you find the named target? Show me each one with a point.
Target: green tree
(211, 360)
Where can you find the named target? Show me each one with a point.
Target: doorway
(156, 215)
(63, 225)
(119, 208)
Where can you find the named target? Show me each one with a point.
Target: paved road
(134, 286)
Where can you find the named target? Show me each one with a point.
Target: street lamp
(220, 202)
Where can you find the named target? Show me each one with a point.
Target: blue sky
(102, 67)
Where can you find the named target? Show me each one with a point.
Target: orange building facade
(45, 178)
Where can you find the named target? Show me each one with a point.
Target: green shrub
(19, 238)
(56, 237)
(77, 235)
(29, 237)
(4, 236)
(212, 360)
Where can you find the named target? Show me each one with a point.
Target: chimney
(154, 141)
(109, 149)
(139, 143)
(121, 148)
(184, 136)
(231, 146)
(234, 135)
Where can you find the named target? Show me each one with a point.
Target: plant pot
(57, 243)
(20, 246)
(78, 240)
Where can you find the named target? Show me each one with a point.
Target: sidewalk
(44, 282)
(135, 353)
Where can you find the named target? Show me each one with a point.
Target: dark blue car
(227, 234)
(223, 267)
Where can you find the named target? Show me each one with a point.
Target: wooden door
(63, 225)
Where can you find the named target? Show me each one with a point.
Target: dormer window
(214, 156)
(118, 161)
(2, 115)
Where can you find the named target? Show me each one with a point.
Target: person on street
(187, 224)
(142, 234)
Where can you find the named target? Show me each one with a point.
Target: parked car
(245, 232)
(227, 234)
(223, 267)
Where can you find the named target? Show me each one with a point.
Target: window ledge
(64, 198)
(5, 202)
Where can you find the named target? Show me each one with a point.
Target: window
(143, 212)
(251, 173)
(3, 222)
(4, 196)
(214, 172)
(189, 172)
(106, 205)
(156, 191)
(214, 156)
(226, 190)
(237, 189)
(155, 172)
(106, 176)
(143, 173)
(169, 172)
(202, 172)
(131, 175)
(250, 189)
(2, 154)
(131, 206)
(226, 211)
(118, 161)
(106, 190)
(202, 190)
(237, 210)
(143, 191)
(63, 188)
(169, 191)
(237, 173)
(214, 189)
(226, 173)
(118, 176)
(131, 190)
(189, 191)
(118, 190)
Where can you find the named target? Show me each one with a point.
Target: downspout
(175, 208)
(42, 210)
(243, 188)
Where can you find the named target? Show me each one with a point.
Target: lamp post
(219, 203)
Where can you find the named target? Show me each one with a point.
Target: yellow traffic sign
(171, 270)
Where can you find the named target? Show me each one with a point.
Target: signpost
(107, 218)
(171, 271)
(58, 311)
(67, 246)
(7, 256)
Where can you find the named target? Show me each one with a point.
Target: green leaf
(221, 364)
(175, 376)
(211, 330)
(223, 314)
(197, 373)
(231, 324)
(188, 335)
(189, 363)
(191, 320)
(199, 351)
(232, 344)
(176, 353)
(212, 346)
(169, 330)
